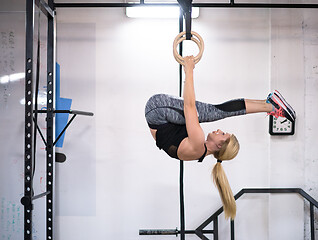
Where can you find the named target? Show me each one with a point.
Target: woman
(175, 125)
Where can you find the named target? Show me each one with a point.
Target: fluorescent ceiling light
(11, 78)
(157, 12)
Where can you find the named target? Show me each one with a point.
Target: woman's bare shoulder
(188, 151)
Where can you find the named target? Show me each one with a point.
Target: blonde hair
(228, 151)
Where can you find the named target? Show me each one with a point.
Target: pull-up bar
(230, 4)
(27, 201)
(186, 6)
(74, 112)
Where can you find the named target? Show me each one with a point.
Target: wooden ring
(196, 38)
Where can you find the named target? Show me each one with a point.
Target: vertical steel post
(49, 124)
(312, 222)
(28, 146)
(182, 217)
(180, 51)
(216, 228)
(232, 230)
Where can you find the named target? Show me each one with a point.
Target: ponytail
(223, 186)
(228, 151)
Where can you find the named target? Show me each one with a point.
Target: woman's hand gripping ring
(196, 38)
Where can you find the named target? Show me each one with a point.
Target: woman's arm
(195, 132)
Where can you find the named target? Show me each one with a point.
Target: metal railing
(214, 218)
(200, 231)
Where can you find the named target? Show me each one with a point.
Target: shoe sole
(289, 108)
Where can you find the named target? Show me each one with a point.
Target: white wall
(287, 163)
(115, 181)
(311, 99)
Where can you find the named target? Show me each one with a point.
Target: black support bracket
(186, 6)
(73, 112)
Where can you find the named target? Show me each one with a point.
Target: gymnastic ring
(198, 40)
(179, 39)
(180, 59)
(200, 44)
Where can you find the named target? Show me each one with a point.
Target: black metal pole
(169, 232)
(186, 6)
(49, 124)
(28, 147)
(45, 8)
(312, 222)
(216, 228)
(180, 51)
(232, 230)
(182, 217)
(111, 5)
(26, 201)
(231, 4)
(69, 111)
(253, 5)
(61, 133)
(40, 132)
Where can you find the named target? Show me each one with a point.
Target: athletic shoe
(281, 107)
(289, 108)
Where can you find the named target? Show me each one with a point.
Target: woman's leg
(162, 108)
(277, 109)
(256, 106)
(210, 112)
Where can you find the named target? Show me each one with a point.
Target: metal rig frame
(28, 198)
(48, 9)
(30, 124)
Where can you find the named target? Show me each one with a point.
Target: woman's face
(218, 137)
